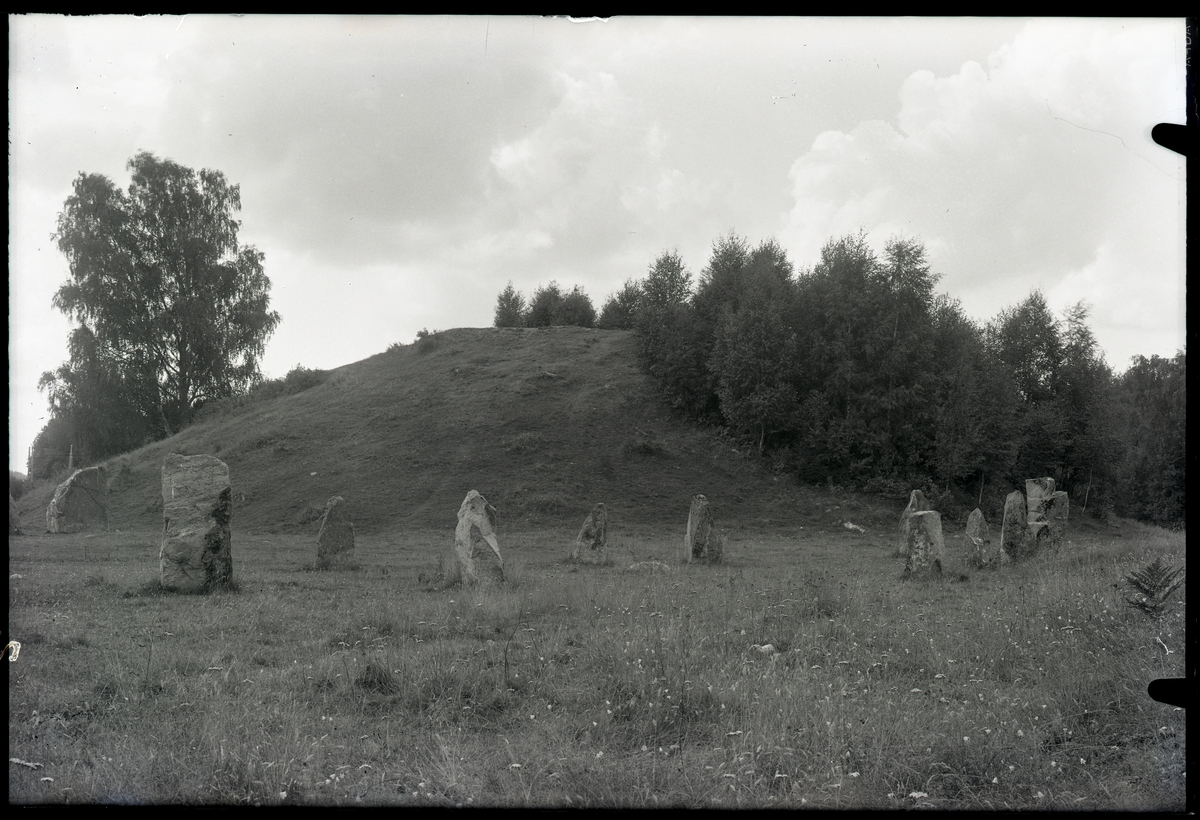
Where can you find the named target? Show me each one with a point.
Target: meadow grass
(624, 685)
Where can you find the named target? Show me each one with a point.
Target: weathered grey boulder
(980, 550)
(78, 503)
(1013, 528)
(196, 554)
(335, 538)
(926, 547)
(591, 545)
(702, 543)
(14, 517)
(476, 558)
(917, 502)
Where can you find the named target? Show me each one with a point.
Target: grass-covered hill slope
(543, 422)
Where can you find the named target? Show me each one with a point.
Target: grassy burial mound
(544, 422)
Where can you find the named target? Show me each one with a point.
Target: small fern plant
(1152, 587)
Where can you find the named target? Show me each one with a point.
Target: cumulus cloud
(1017, 176)
(398, 171)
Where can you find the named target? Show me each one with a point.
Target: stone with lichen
(196, 553)
(917, 502)
(926, 546)
(476, 560)
(591, 545)
(702, 543)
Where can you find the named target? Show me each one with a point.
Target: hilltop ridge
(544, 422)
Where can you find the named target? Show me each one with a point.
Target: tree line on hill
(858, 372)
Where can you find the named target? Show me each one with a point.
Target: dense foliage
(1151, 409)
(857, 371)
(17, 484)
(171, 311)
(297, 380)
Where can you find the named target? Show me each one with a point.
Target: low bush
(297, 380)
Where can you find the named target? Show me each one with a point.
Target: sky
(398, 172)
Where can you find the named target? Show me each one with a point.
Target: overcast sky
(398, 172)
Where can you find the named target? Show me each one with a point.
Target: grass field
(1019, 688)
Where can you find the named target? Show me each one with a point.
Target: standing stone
(591, 545)
(14, 517)
(1039, 493)
(979, 540)
(196, 554)
(1013, 529)
(1056, 518)
(78, 503)
(925, 544)
(703, 543)
(476, 552)
(335, 539)
(917, 502)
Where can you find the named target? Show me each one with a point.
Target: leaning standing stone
(476, 552)
(925, 544)
(14, 517)
(702, 543)
(335, 538)
(1012, 529)
(591, 545)
(195, 554)
(78, 503)
(917, 502)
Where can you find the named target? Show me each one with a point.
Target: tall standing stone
(335, 538)
(476, 552)
(78, 503)
(14, 517)
(702, 543)
(591, 545)
(1013, 529)
(979, 540)
(1039, 493)
(1056, 518)
(196, 554)
(917, 502)
(926, 547)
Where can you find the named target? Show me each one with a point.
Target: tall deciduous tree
(620, 310)
(1085, 404)
(545, 306)
(1026, 340)
(669, 344)
(753, 357)
(576, 309)
(668, 282)
(173, 304)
